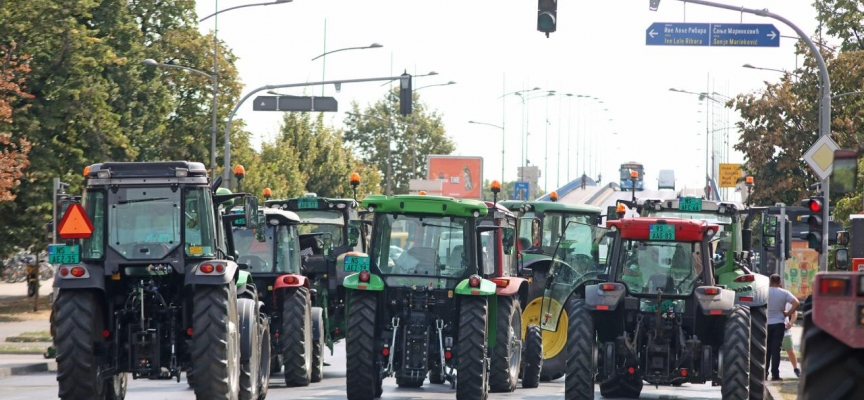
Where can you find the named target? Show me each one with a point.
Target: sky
(492, 47)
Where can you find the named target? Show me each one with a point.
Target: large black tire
(758, 345)
(622, 387)
(472, 380)
(507, 353)
(318, 347)
(581, 335)
(555, 365)
(735, 381)
(264, 376)
(296, 337)
(78, 326)
(250, 353)
(362, 375)
(215, 342)
(830, 370)
(532, 357)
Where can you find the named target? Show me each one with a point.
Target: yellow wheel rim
(553, 342)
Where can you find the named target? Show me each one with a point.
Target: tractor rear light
(631, 370)
(206, 268)
(276, 335)
(602, 307)
(290, 280)
(743, 298)
(501, 283)
(364, 276)
(448, 355)
(220, 268)
(105, 333)
(608, 287)
(712, 291)
(684, 372)
(336, 331)
(715, 312)
(474, 281)
(834, 286)
(746, 278)
(64, 271)
(189, 331)
(385, 352)
(78, 272)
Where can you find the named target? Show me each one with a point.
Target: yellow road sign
(729, 175)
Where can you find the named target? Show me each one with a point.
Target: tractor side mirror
(508, 239)
(843, 238)
(250, 208)
(841, 259)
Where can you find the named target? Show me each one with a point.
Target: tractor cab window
(432, 245)
(199, 223)
(144, 222)
(490, 251)
(94, 204)
(330, 223)
(554, 225)
(526, 240)
(257, 255)
(672, 268)
(287, 253)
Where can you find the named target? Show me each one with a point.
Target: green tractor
(731, 269)
(423, 306)
(540, 225)
(331, 235)
(150, 290)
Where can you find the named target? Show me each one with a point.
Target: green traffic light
(546, 22)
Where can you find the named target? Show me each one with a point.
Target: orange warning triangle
(75, 223)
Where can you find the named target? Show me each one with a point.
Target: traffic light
(406, 94)
(814, 236)
(653, 5)
(547, 16)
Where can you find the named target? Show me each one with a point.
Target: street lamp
(439, 84)
(153, 63)
(389, 121)
(525, 97)
(751, 66)
(244, 6)
(502, 142)
(324, 62)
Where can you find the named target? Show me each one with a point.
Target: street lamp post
(324, 61)
(153, 63)
(522, 140)
(502, 143)
(751, 66)
(525, 100)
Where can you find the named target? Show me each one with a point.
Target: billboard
(800, 269)
(462, 177)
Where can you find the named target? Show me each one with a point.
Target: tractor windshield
(330, 223)
(427, 246)
(581, 255)
(277, 254)
(649, 267)
(145, 222)
(557, 225)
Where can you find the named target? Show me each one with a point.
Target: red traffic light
(815, 205)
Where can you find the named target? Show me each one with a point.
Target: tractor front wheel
(296, 337)
(507, 354)
(735, 381)
(532, 357)
(579, 380)
(215, 342)
(362, 374)
(472, 380)
(758, 345)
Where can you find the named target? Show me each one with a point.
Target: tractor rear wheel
(472, 380)
(362, 374)
(554, 343)
(318, 346)
(758, 345)
(250, 349)
(296, 337)
(735, 381)
(264, 375)
(215, 342)
(579, 381)
(532, 357)
(507, 354)
(830, 370)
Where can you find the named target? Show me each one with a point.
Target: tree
(13, 150)
(413, 137)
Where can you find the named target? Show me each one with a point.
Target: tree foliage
(412, 138)
(13, 148)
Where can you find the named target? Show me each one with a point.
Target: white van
(666, 179)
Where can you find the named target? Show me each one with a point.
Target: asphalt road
(44, 386)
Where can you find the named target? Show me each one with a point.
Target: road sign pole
(825, 103)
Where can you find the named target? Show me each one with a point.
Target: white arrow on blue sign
(712, 35)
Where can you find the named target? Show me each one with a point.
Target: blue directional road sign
(521, 190)
(712, 35)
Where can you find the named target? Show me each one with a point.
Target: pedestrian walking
(787, 341)
(778, 298)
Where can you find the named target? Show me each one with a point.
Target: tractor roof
(422, 204)
(640, 228)
(283, 217)
(160, 169)
(310, 201)
(545, 206)
(692, 204)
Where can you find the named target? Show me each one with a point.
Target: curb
(772, 392)
(28, 369)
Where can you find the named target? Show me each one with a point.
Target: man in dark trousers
(778, 298)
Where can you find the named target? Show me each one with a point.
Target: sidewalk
(786, 371)
(16, 357)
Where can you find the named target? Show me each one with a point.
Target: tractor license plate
(661, 232)
(356, 264)
(64, 254)
(306, 203)
(689, 204)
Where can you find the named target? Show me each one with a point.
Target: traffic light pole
(824, 103)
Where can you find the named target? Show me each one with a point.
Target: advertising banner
(462, 177)
(801, 267)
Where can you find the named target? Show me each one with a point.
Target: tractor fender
(840, 315)
(512, 285)
(93, 278)
(375, 284)
(317, 314)
(194, 275)
(756, 297)
(299, 281)
(486, 288)
(721, 303)
(604, 296)
(247, 315)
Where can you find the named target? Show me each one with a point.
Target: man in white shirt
(778, 298)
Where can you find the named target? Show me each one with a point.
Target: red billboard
(462, 176)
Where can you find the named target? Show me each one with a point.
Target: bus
(626, 183)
